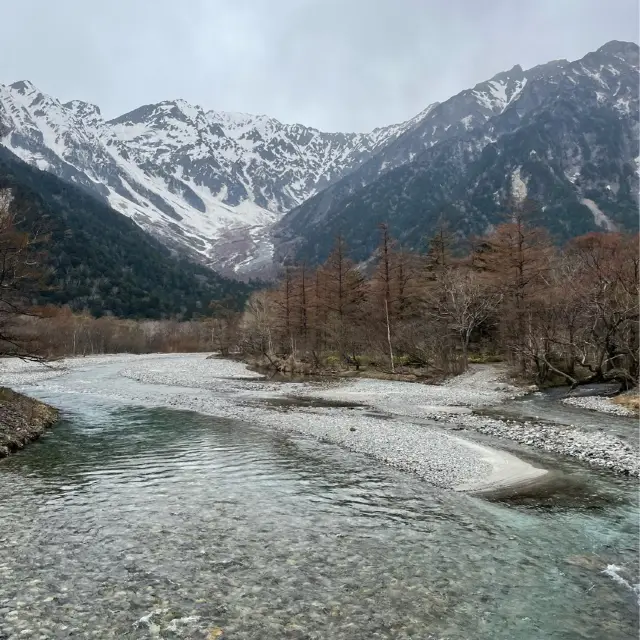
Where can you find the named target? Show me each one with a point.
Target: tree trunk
(386, 310)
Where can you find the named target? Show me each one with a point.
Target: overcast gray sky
(347, 65)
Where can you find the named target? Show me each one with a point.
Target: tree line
(53, 332)
(555, 314)
(30, 329)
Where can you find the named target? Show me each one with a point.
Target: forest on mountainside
(49, 332)
(97, 260)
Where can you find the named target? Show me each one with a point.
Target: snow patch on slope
(499, 94)
(518, 186)
(466, 121)
(599, 217)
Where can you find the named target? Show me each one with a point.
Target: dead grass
(630, 400)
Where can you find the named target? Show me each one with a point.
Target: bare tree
(609, 287)
(470, 302)
(20, 279)
(517, 256)
(569, 313)
(344, 301)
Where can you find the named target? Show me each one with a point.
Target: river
(137, 521)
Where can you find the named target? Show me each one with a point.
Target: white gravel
(228, 389)
(596, 448)
(479, 387)
(599, 403)
(453, 402)
(15, 372)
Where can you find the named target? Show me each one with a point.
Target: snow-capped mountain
(210, 182)
(232, 188)
(565, 133)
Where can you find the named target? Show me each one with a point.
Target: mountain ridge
(194, 178)
(355, 205)
(239, 191)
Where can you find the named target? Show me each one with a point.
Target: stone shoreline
(410, 441)
(453, 403)
(596, 449)
(22, 420)
(602, 404)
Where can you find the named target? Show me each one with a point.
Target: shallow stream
(130, 522)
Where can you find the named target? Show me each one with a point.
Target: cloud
(334, 64)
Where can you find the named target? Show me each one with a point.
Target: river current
(133, 522)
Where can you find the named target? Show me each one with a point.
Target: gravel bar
(432, 454)
(412, 441)
(599, 403)
(228, 389)
(486, 386)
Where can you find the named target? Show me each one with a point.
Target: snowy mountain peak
(84, 111)
(209, 182)
(160, 113)
(458, 159)
(213, 183)
(23, 87)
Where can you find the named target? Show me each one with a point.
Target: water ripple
(138, 523)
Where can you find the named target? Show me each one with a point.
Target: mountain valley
(243, 193)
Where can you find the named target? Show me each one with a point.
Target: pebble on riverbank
(22, 420)
(600, 403)
(486, 387)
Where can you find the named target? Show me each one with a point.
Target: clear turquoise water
(141, 523)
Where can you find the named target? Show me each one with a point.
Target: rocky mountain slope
(226, 187)
(205, 181)
(564, 134)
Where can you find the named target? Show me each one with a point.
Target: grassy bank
(629, 400)
(333, 367)
(22, 420)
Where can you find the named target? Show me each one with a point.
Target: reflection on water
(141, 523)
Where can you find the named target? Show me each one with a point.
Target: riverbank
(405, 425)
(597, 449)
(439, 458)
(623, 405)
(270, 367)
(22, 420)
(227, 389)
(460, 401)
